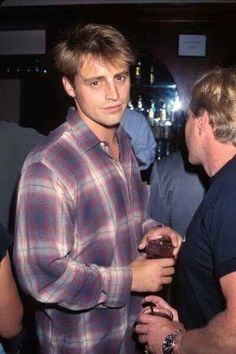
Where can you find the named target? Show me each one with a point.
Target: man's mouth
(113, 109)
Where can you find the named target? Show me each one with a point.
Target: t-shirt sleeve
(5, 241)
(224, 230)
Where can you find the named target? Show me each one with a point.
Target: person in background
(11, 309)
(176, 190)
(207, 263)
(143, 140)
(81, 210)
(15, 144)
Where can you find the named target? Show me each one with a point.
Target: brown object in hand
(159, 248)
(152, 309)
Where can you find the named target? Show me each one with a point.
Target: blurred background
(175, 41)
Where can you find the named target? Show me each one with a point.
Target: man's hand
(152, 330)
(159, 231)
(149, 275)
(159, 302)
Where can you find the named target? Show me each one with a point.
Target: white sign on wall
(192, 45)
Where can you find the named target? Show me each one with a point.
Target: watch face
(168, 343)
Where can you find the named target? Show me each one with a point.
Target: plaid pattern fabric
(79, 223)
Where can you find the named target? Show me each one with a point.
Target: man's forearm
(219, 336)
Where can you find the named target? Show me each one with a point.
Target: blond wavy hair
(215, 92)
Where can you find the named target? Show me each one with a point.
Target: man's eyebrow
(125, 72)
(94, 78)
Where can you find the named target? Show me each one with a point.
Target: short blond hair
(103, 42)
(215, 92)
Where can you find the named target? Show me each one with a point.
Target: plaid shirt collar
(84, 135)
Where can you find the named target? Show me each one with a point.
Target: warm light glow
(176, 104)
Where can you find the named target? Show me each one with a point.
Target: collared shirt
(79, 223)
(143, 140)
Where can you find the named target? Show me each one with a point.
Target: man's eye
(94, 83)
(120, 77)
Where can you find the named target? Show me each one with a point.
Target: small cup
(158, 311)
(159, 248)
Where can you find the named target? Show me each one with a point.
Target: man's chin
(111, 126)
(193, 160)
(114, 121)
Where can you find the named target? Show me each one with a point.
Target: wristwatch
(169, 342)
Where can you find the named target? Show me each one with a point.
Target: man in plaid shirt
(81, 209)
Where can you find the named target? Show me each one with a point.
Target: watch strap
(169, 341)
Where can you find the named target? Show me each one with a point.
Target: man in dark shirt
(207, 264)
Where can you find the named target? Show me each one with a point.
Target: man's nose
(112, 92)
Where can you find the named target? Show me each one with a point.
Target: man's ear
(203, 121)
(68, 87)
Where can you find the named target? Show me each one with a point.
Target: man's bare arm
(219, 336)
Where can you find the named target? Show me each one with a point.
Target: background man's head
(215, 93)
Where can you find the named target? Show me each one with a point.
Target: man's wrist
(149, 224)
(177, 342)
(171, 343)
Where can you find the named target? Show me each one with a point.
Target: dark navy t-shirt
(209, 252)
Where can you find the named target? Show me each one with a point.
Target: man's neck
(102, 132)
(218, 157)
(107, 135)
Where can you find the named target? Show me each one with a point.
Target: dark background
(152, 29)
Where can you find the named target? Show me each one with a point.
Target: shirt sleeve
(145, 145)
(143, 140)
(46, 254)
(222, 235)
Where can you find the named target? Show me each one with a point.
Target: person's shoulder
(9, 129)
(133, 117)
(169, 168)
(173, 160)
(12, 130)
(15, 127)
(224, 181)
(51, 147)
(7, 124)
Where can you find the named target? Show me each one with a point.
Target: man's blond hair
(215, 92)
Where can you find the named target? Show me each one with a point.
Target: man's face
(101, 92)
(192, 138)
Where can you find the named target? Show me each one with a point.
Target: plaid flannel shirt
(79, 223)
